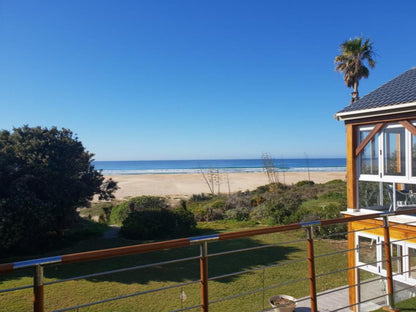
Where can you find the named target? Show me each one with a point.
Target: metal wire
(365, 229)
(145, 266)
(16, 288)
(400, 240)
(400, 224)
(256, 290)
(254, 248)
(335, 253)
(126, 296)
(332, 272)
(407, 288)
(256, 269)
(332, 291)
(327, 236)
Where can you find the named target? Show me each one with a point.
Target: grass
(408, 305)
(98, 288)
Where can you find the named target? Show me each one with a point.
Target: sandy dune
(182, 185)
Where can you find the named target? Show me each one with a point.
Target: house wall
(375, 227)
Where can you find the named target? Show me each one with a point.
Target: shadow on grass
(177, 272)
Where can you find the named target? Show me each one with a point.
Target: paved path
(112, 232)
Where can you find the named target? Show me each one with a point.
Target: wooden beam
(351, 167)
(408, 126)
(368, 138)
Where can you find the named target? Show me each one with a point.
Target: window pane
(396, 258)
(374, 195)
(367, 252)
(412, 262)
(369, 156)
(394, 151)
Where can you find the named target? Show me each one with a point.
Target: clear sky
(140, 80)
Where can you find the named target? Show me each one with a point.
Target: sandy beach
(184, 185)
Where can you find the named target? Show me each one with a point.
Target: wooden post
(389, 271)
(311, 266)
(203, 263)
(38, 302)
(351, 204)
(352, 272)
(351, 168)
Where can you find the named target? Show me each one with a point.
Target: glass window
(412, 262)
(394, 151)
(413, 156)
(396, 258)
(367, 251)
(369, 156)
(374, 195)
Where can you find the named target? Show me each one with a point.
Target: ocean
(223, 165)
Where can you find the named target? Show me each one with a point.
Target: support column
(311, 266)
(352, 205)
(203, 262)
(38, 301)
(351, 168)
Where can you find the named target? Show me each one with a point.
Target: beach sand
(184, 185)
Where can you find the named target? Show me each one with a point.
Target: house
(381, 176)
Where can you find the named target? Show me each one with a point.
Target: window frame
(381, 177)
(403, 277)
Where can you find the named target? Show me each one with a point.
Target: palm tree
(350, 62)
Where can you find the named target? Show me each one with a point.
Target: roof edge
(377, 111)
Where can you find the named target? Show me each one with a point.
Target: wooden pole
(311, 266)
(387, 253)
(203, 262)
(38, 301)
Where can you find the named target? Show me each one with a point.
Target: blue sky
(142, 80)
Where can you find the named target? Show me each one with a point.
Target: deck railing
(39, 264)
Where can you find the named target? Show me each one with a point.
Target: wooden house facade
(381, 176)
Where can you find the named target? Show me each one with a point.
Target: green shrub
(278, 208)
(330, 211)
(335, 182)
(208, 210)
(120, 212)
(238, 214)
(157, 224)
(200, 197)
(305, 182)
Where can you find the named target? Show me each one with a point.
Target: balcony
(231, 271)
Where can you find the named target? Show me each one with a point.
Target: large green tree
(45, 174)
(351, 62)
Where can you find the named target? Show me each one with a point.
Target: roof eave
(377, 111)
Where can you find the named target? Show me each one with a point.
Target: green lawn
(98, 288)
(408, 305)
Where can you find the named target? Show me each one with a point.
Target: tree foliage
(351, 62)
(121, 211)
(45, 174)
(158, 223)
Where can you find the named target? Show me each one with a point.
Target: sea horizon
(138, 167)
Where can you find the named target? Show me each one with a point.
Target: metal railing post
(387, 253)
(311, 265)
(203, 264)
(38, 302)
